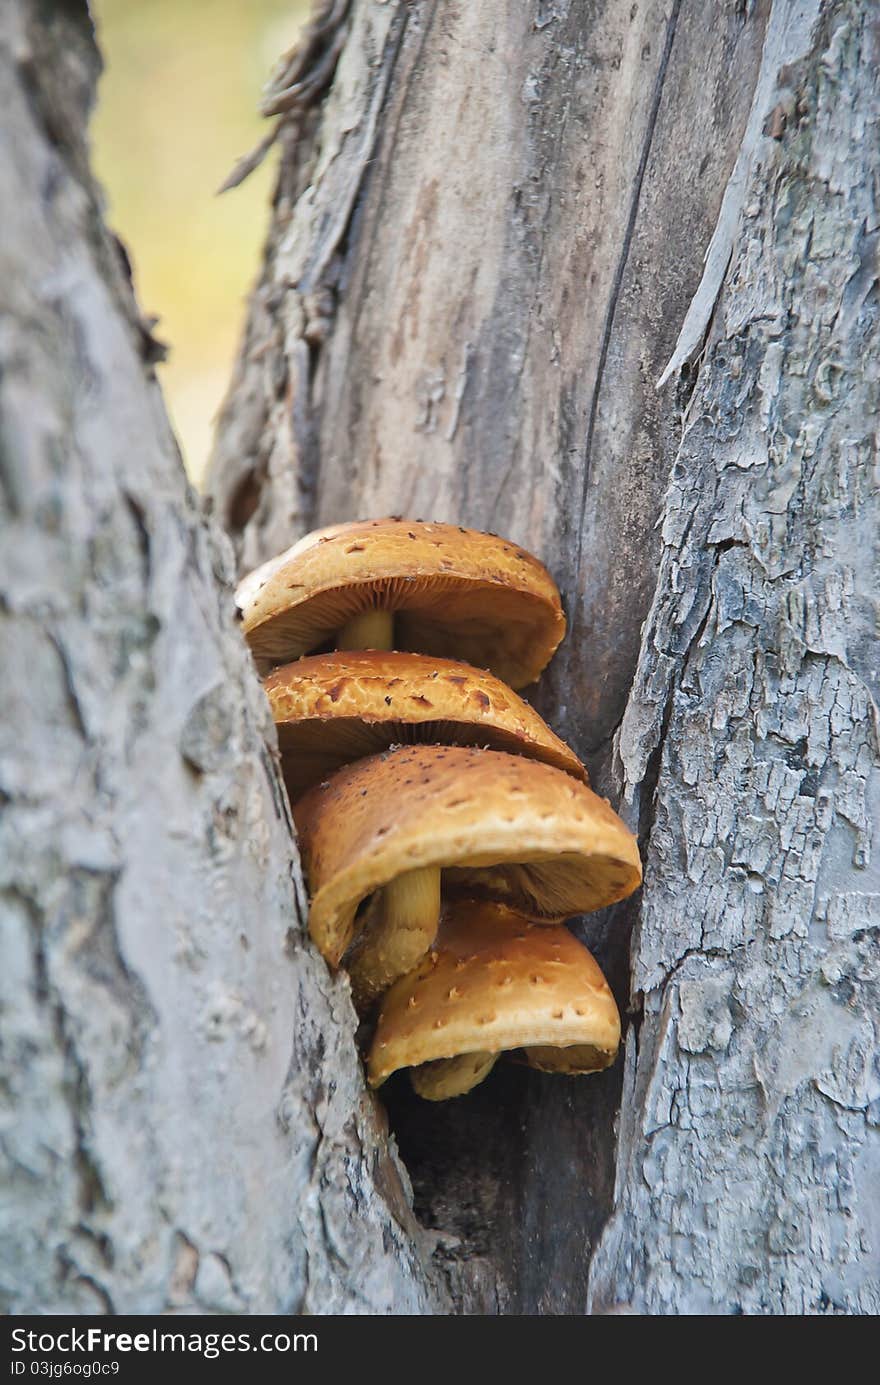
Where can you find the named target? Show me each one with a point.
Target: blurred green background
(177, 106)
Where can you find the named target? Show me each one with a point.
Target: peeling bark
(183, 1121)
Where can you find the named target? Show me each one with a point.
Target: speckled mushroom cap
(455, 593)
(499, 826)
(493, 981)
(331, 709)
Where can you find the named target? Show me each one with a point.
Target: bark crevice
(617, 282)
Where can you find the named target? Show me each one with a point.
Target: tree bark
(504, 226)
(501, 229)
(183, 1121)
(749, 1160)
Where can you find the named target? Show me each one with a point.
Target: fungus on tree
(494, 982)
(378, 835)
(331, 709)
(406, 585)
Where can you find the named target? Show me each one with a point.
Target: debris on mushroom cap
(455, 592)
(500, 826)
(331, 709)
(494, 982)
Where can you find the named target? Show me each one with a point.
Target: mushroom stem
(448, 1077)
(370, 629)
(401, 925)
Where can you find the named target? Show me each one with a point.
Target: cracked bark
(504, 227)
(749, 1162)
(183, 1122)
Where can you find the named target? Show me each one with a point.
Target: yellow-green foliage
(177, 105)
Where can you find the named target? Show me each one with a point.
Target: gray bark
(183, 1121)
(749, 1162)
(487, 249)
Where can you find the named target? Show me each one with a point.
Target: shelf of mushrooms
(446, 832)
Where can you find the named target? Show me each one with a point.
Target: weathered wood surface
(483, 253)
(183, 1122)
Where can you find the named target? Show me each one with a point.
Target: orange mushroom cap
(331, 709)
(494, 982)
(454, 592)
(499, 826)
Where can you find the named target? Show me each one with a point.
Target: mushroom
(394, 583)
(376, 837)
(330, 709)
(494, 982)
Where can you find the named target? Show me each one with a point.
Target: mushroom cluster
(446, 832)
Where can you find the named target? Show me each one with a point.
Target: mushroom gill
(452, 592)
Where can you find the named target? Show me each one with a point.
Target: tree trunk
(184, 1123)
(504, 226)
(749, 1160)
